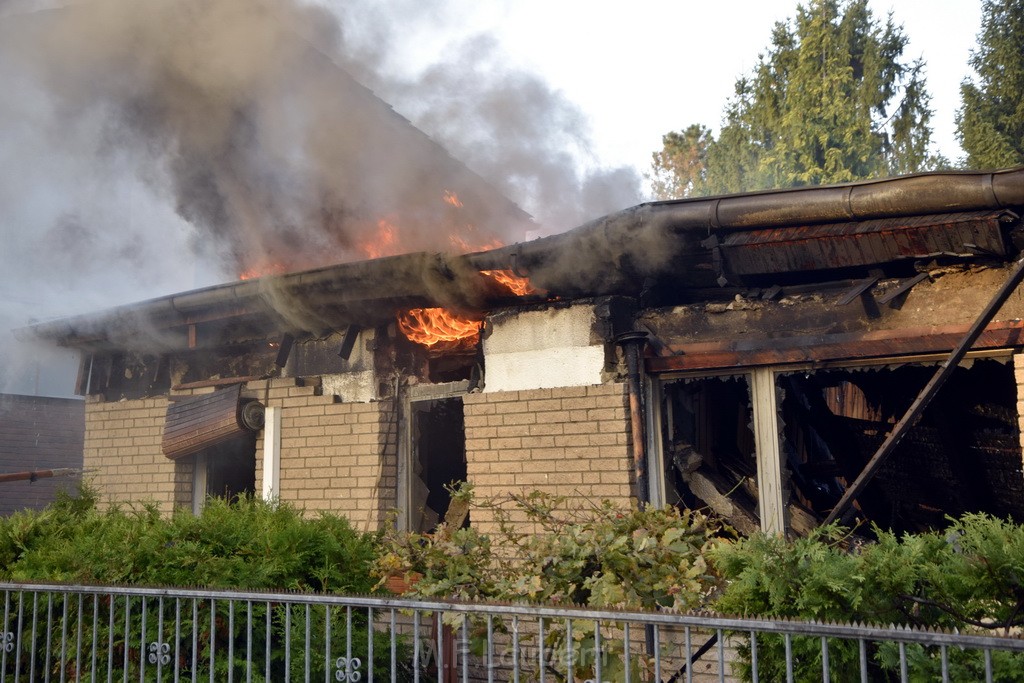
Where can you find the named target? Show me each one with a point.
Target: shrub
(243, 544)
(603, 556)
(968, 577)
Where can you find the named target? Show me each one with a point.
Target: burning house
(750, 353)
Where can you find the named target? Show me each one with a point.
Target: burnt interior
(441, 363)
(438, 458)
(963, 456)
(231, 468)
(707, 427)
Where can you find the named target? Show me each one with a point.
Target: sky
(641, 69)
(558, 103)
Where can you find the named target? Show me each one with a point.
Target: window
(432, 453)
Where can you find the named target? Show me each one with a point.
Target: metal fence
(88, 633)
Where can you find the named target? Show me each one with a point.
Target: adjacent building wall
(38, 433)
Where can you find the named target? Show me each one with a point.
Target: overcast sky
(640, 69)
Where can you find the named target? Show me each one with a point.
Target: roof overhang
(862, 224)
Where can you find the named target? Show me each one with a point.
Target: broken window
(225, 470)
(709, 449)
(963, 456)
(438, 458)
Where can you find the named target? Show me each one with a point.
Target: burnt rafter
(820, 348)
(916, 409)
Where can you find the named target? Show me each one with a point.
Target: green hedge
(245, 544)
(969, 576)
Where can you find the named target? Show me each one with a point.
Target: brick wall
(340, 457)
(38, 433)
(1018, 374)
(335, 456)
(122, 450)
(570, 441)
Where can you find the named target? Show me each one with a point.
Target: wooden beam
(219, 382)
(916, 409)
(831, 347)
(861, 287)
(770, 502)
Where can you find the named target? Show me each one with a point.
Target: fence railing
(88, 633)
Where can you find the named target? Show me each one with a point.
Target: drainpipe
(633, 344)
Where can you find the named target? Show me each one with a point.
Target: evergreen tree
(831, 101)
(990, 124)
(679, 167)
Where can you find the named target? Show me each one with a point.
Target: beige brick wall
(123, 458)
(572, 441)
(1018, 374)
(340, 457)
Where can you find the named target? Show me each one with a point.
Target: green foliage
(678, 169)
(966, 577)
(990, 124)
(244, 544)
(604, 556)
(831, 101)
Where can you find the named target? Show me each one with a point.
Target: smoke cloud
(150, 147)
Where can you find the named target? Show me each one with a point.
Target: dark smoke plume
(142, 139)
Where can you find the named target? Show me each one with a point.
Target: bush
(968, 577)
(245, 544)
(604, 556)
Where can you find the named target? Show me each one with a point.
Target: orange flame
(520, 286)
(262, 269)
(452, 198)
(384, 242)
(432, 326)
(463, 246)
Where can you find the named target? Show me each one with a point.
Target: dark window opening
(452, 368)
(438, 459)
(709, 447)
(963, 456)
(231, 468)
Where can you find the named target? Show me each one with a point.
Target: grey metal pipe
(649, 237)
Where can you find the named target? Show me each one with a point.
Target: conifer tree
(831, 100)
(990, 123)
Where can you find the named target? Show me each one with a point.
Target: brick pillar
(1018, 375)
(572, 441)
